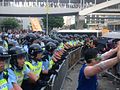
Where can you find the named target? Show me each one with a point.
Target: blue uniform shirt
(45, 65)
(13, 76)
(25, 48)
(86, 83)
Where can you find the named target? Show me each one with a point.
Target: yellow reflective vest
(3, 83)
(36, 69)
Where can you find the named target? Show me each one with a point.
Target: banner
(35, 24)
(105, 31)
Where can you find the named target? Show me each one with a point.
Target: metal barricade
(57, 81)
(74, 57)
(61, 75)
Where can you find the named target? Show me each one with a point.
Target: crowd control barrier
(56, 81)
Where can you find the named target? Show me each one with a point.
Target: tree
(53, 22)
(9, 23)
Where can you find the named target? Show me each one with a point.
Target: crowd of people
(103, 55)
(28, 59)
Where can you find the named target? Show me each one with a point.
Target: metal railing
(41, 4)
(50, 4)
(57, 81)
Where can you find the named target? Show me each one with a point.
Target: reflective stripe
(3, 84)
(51, 63)
(35, 69)
(5, 44)
(20, 76)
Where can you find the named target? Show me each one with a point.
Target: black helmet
(60, 35)
(16, 52)
(1, 42)
(34, 49)
(12, 43)
(30, 37)
(59, 39)
(5, 58)
(3, 53)
(45, 40)
(64, 40)
(56, 42)
(50, 46)
(4, 35)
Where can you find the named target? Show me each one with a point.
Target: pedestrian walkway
(72, 78)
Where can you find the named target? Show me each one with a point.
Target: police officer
(5, 40)
(5, 80)
(35, 65)
(29, 39)
(48, 61)
(18, 68)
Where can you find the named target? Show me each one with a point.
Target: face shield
(21, 58)
(4, 62)
(39, 56)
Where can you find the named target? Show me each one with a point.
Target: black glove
(41, 83)
(55, 66)
(51, 71)
(63, 57)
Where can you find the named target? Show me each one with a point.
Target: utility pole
(80, 4)
(83, 4)
(69, 2)
(95, 2)
(47, 19)
(3, 3)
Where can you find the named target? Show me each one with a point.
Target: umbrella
(102, 41)
(114, 35)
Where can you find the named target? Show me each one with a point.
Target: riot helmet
(4, 36)
(1, 42)
(17, 54)
(35, 52)
(4, 59)
(50, 47)
(30, 37)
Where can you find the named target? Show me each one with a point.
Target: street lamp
(47, 19)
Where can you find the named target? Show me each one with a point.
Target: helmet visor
(23, 55)
(4, 62)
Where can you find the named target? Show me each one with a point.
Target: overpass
(26, 9)
(32, 9)
(99, 7)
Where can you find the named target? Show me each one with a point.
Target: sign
(105, 31)
(35, 24)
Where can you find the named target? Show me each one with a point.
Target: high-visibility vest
(3, 82)
(35, 69)
(51, 62)
(19, 75)
(5, 45)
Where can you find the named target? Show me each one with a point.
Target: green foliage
(53, 22)
(9, 23)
